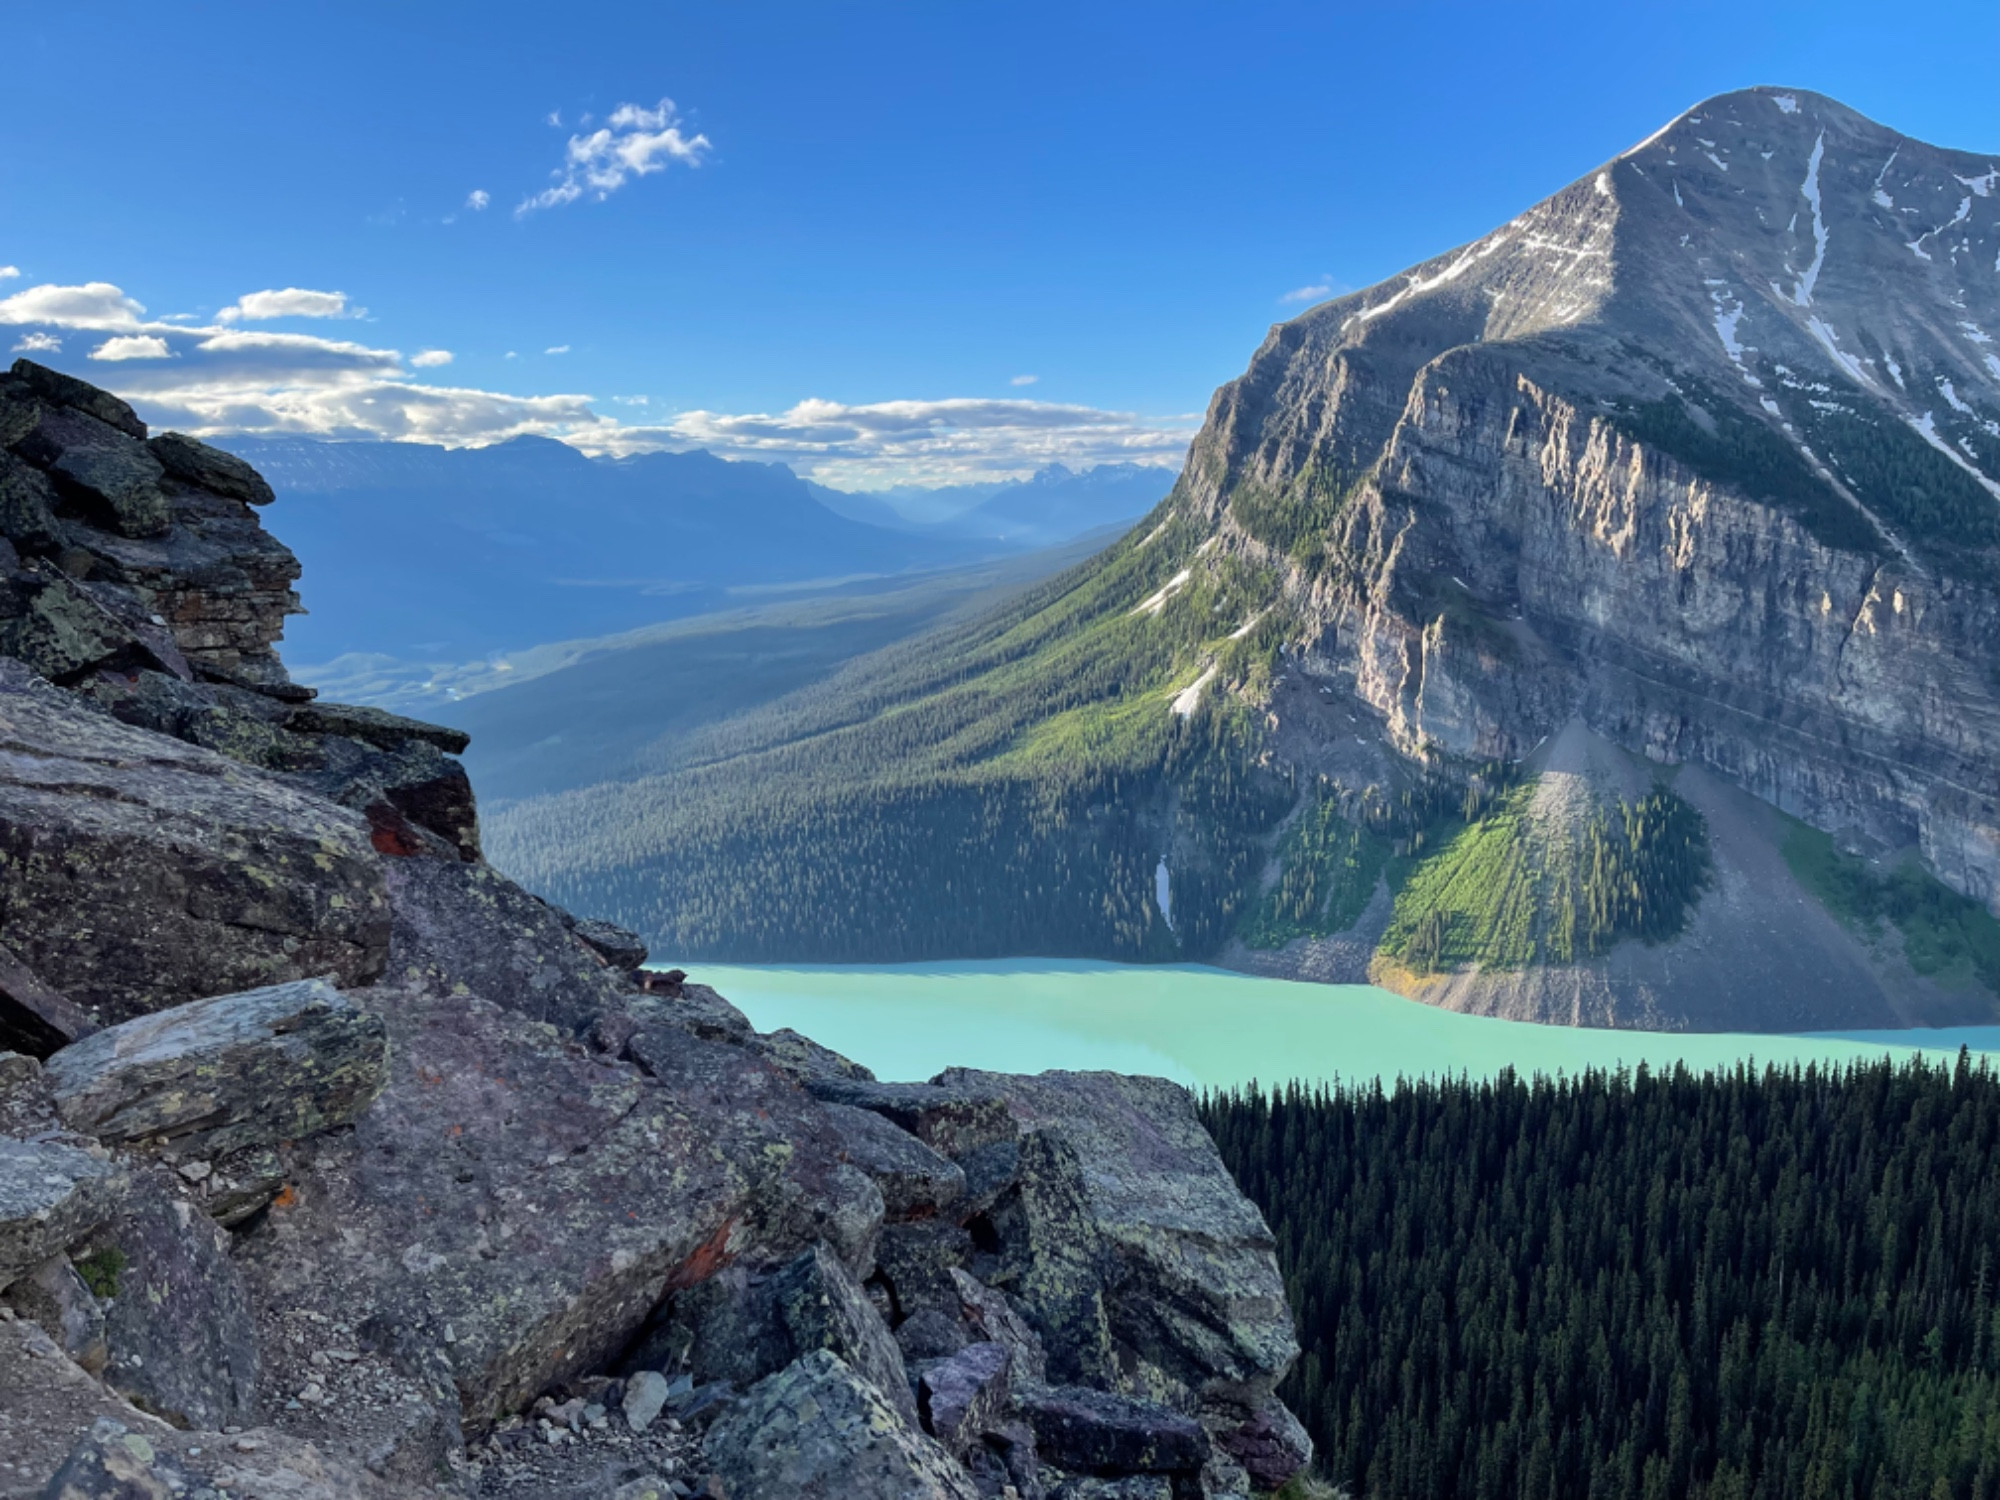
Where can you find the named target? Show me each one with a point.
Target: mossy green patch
(1501, 891)
(1945, 936)
(100, 1272)
(1328, 868)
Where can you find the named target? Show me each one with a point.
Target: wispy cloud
(132, 346)
(8, 272)
(1024, 380)
(636, 142)
(477, 199)
(290, 302)
(1319, 291)
(430, 359)
(557, 349)
(38, 343)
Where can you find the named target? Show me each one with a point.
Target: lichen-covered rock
(377, 726)
(1189, 1272)
(193, 462)
(47, 1404)
(951, 1118)
(1095, 1432)
(226, 1074)
(914, 1262)
(1055, 1260)
(965, 1396)
(467, 929)
(817, 1430)
(804, 1058)
(137, 872)
(181, 1338)
(916, 1182)
(51, 1196)
(118, 475)
(821, 1306)
(33, 379)
(27, 507)
(54, 1297)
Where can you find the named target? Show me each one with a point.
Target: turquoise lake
(1205, 1026)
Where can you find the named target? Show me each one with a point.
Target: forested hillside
(1738, 1285)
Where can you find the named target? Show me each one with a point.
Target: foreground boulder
(816, 1430)
(1094, 1432)
(119, 1460)
(138, 872)
(226, 1074)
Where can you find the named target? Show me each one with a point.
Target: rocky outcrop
(370, 1173)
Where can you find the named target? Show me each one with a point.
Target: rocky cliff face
(1702, 453)
(334, 1164)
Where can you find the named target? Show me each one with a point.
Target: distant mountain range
(1053, 506)
(1598, 623)
(421, 558)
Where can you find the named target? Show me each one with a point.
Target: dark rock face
(818, 1431)
(34, 1019)
(466, 928)
(915, 1181)
(1097, 1433)
(181, 1336)
(232, 1073)
(965, 1396)
(315, 1071)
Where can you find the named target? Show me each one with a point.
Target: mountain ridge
(1659, 457)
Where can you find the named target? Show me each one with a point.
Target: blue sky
(856, 231)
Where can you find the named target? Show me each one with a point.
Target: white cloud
(430, 359)
(513, 354)
(7, 273)
(557, 349)
(1318, 292)
(132, 346)
(633, 400)
(636, 142)
(95, 304)
(1024, 380)
(223, 378)
(291, 302)
(478, 199)
(555, 118)
(915, 442)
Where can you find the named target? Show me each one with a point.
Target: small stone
(645, 1394)
(194, 1171)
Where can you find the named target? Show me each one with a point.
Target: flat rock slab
(510, 1209)
(916, 1182)
(51, 1196)
(1193, 1283)
(1098, 1433)
(951, 1116)
(226, 1074)
(123, 1460)
(138, 872)
(818, 1431)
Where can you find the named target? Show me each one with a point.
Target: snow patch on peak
(1787, 103)
(1802, 291)
(1602, 182)
(1926, 428)
(1983, 187)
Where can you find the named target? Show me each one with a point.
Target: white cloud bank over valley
(223, 378)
